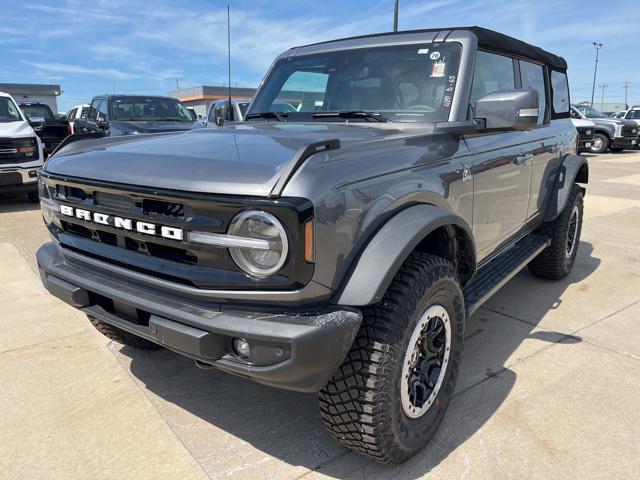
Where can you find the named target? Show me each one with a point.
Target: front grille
(194, 264)
(582, 133)
(630, 131)
(9, 153)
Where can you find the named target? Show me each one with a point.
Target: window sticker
(437, 69)
(434, 55)
(423, 51)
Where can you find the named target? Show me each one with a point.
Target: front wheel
(600, 143)
(390, 394)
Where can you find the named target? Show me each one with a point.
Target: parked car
(77, 112)
(21, 152)
(617, 115)
(633, 114)
(47, 126)
(586, 133)
(343, 249)
(611, 133)
(220, 109)
(115, 115)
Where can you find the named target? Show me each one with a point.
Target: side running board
(495, 274)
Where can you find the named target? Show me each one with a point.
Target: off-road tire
(33, 197)
(361, 405)
(603, 146)
(123, 337)
(553, 262)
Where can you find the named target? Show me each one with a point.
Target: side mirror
(508, 110)
(219, 120)
(102, 123)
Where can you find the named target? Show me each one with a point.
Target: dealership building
(33, 92)
(201, 97)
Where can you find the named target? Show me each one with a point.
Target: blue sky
(143, 46)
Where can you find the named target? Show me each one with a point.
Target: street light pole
(395, 15)
(597, 46)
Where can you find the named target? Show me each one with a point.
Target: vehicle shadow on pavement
(287, 425)
(10, 204)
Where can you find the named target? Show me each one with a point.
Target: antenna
(229, 53)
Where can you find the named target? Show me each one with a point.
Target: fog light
(241, 347)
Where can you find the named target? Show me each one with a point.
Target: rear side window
(492, 72)
(559, 92)
(532, 76)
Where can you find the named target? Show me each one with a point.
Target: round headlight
(268, 256)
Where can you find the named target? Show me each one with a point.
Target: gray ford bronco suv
(339, 246)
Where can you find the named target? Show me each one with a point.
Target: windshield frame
(405, 116)
(133, 99)
(11, 101)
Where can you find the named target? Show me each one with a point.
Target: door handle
(520, 159)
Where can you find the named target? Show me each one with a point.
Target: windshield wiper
(352, 114)
(278, 116)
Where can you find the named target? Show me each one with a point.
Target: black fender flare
(390, 247)
(574, 168)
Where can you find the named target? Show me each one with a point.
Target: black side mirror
(219, 120)
(102, 123)
(508, 110)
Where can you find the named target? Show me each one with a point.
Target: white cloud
(107, 73)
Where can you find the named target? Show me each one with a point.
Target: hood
(238, 159)
(152, 126)
(579, 122)
(16, 129)
(610, 121)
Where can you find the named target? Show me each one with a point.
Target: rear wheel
(600, 143)
(390, 394)
(121, 336)
(556, 261)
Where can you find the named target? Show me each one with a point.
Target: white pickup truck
(21, 155)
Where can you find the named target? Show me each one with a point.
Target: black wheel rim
(425, 361)
(572, 232)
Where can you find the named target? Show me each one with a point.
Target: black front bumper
(294, 350)
(625, 142)
(17, 179)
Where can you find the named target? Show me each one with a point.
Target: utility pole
(602, 86)
(626, 88)
(229, 53)
(395, 15)
(177, 88)
(597, 46)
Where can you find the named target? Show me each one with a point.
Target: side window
(102, 111)
(492, 72)
(559, 92)
(71, 115)
(574, 114)
(93, 110)
(532, 76)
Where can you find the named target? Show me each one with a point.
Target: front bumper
(294, 350)
(19, 179)
(625, 142)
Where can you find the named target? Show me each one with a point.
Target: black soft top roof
(490, 40)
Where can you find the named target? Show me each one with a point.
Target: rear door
(546, 144)
(502, 163)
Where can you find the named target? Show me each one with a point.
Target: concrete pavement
(548, 388)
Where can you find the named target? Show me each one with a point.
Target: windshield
(149, 108)
(589, 111)
(37, 111)
(8, 111)
(406, 83)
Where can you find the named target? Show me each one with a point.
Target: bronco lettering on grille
(171, 233)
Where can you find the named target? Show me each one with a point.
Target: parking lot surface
(549, 385)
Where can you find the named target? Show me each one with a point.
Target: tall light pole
(602, 86)
(395, 15)
(597, 46)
